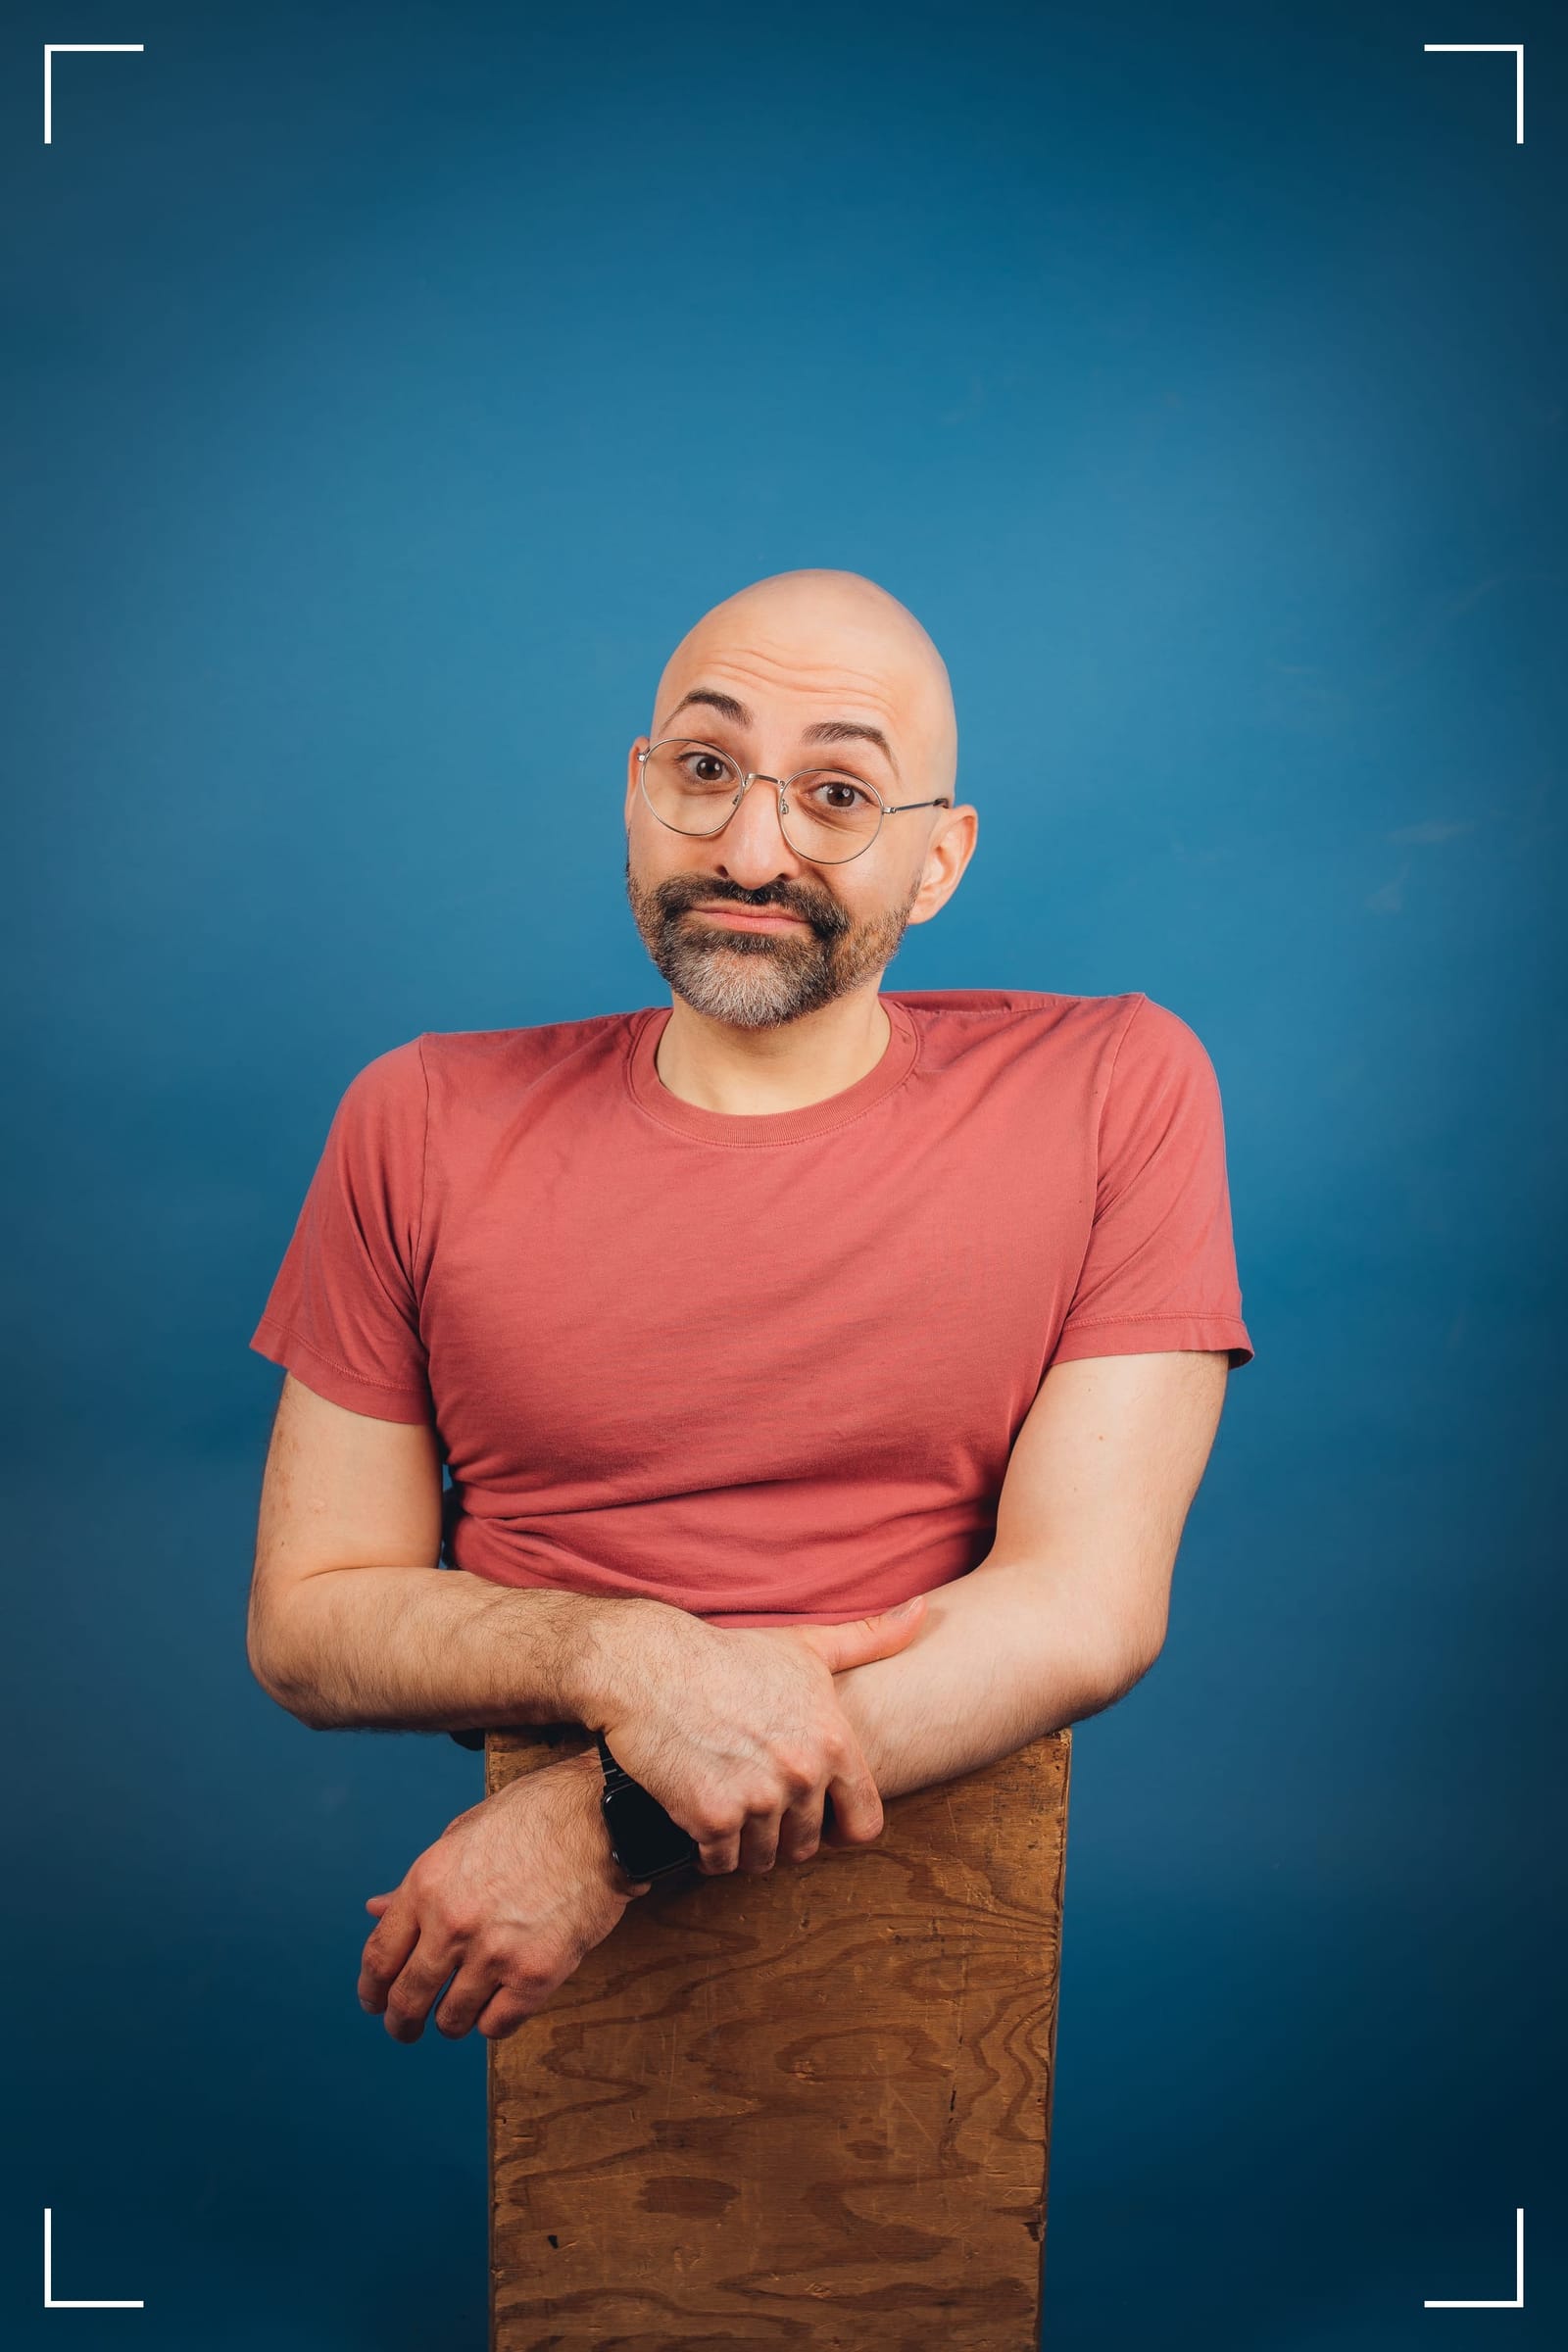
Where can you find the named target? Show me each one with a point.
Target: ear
(633, 777)
(952, 846)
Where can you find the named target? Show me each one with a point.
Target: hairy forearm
(1003, 1656)
(411, 1649)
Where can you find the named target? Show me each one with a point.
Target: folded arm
(353, 1624)
(1069, 1608)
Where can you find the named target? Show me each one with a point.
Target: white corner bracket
(1517, 50)
(1516, 2302)
(54, 2302)
(53, 49)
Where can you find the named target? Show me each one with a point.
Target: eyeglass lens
(693, 787)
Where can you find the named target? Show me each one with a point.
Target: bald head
(829, 648)
(819, 670)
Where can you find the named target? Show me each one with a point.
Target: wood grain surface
(805, 2109)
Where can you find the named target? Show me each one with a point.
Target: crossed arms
(742, 1734)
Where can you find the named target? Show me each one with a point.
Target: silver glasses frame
(782, 784)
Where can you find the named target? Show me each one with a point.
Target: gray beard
(759, 979)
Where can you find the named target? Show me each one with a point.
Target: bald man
(823, 1373)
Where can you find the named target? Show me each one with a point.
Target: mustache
(675, 896)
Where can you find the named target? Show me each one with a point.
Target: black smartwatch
(643, 1838)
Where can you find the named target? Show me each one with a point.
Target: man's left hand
(512, 1897)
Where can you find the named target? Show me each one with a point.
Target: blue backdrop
(386, 390)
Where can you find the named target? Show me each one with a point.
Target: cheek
(867, 902)
(653, 855)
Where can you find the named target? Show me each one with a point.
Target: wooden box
(805, 2109)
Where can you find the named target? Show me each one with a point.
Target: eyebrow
(826, 730)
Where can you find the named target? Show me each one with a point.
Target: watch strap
(617, 1776)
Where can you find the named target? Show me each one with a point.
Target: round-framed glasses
(826, 814)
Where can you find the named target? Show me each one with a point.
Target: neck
(786, 1067)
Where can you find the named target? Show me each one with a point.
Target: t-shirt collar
(766, 1126)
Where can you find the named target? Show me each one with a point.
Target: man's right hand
(737, 1731)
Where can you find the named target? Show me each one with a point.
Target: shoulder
(1151, 1036)
(377, 1132)
(1158, 1050)
(1126, 1061)
(1095, 1033)
(1156, 1081)
(487, 1072)
(389, 1089)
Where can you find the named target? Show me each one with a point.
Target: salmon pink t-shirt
(766, 1366)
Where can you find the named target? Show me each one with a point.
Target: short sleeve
(343, 1314)
(1160, 1268)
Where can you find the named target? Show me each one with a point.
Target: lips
(751, 918)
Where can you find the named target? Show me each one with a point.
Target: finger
(418, 1990)
(477, 1983)
(386, 1949)
(857, 1806)
(862, 1639)
(758, 1842)
(522, 1993)
(502, 2015)
(717, 1856)
(377, 1903)
(802, 1829)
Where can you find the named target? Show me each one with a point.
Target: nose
(752, 849)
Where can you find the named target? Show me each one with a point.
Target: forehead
(785, 683)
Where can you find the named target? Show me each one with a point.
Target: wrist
(856, 1690)
(588, 1774)
(601, 1677)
